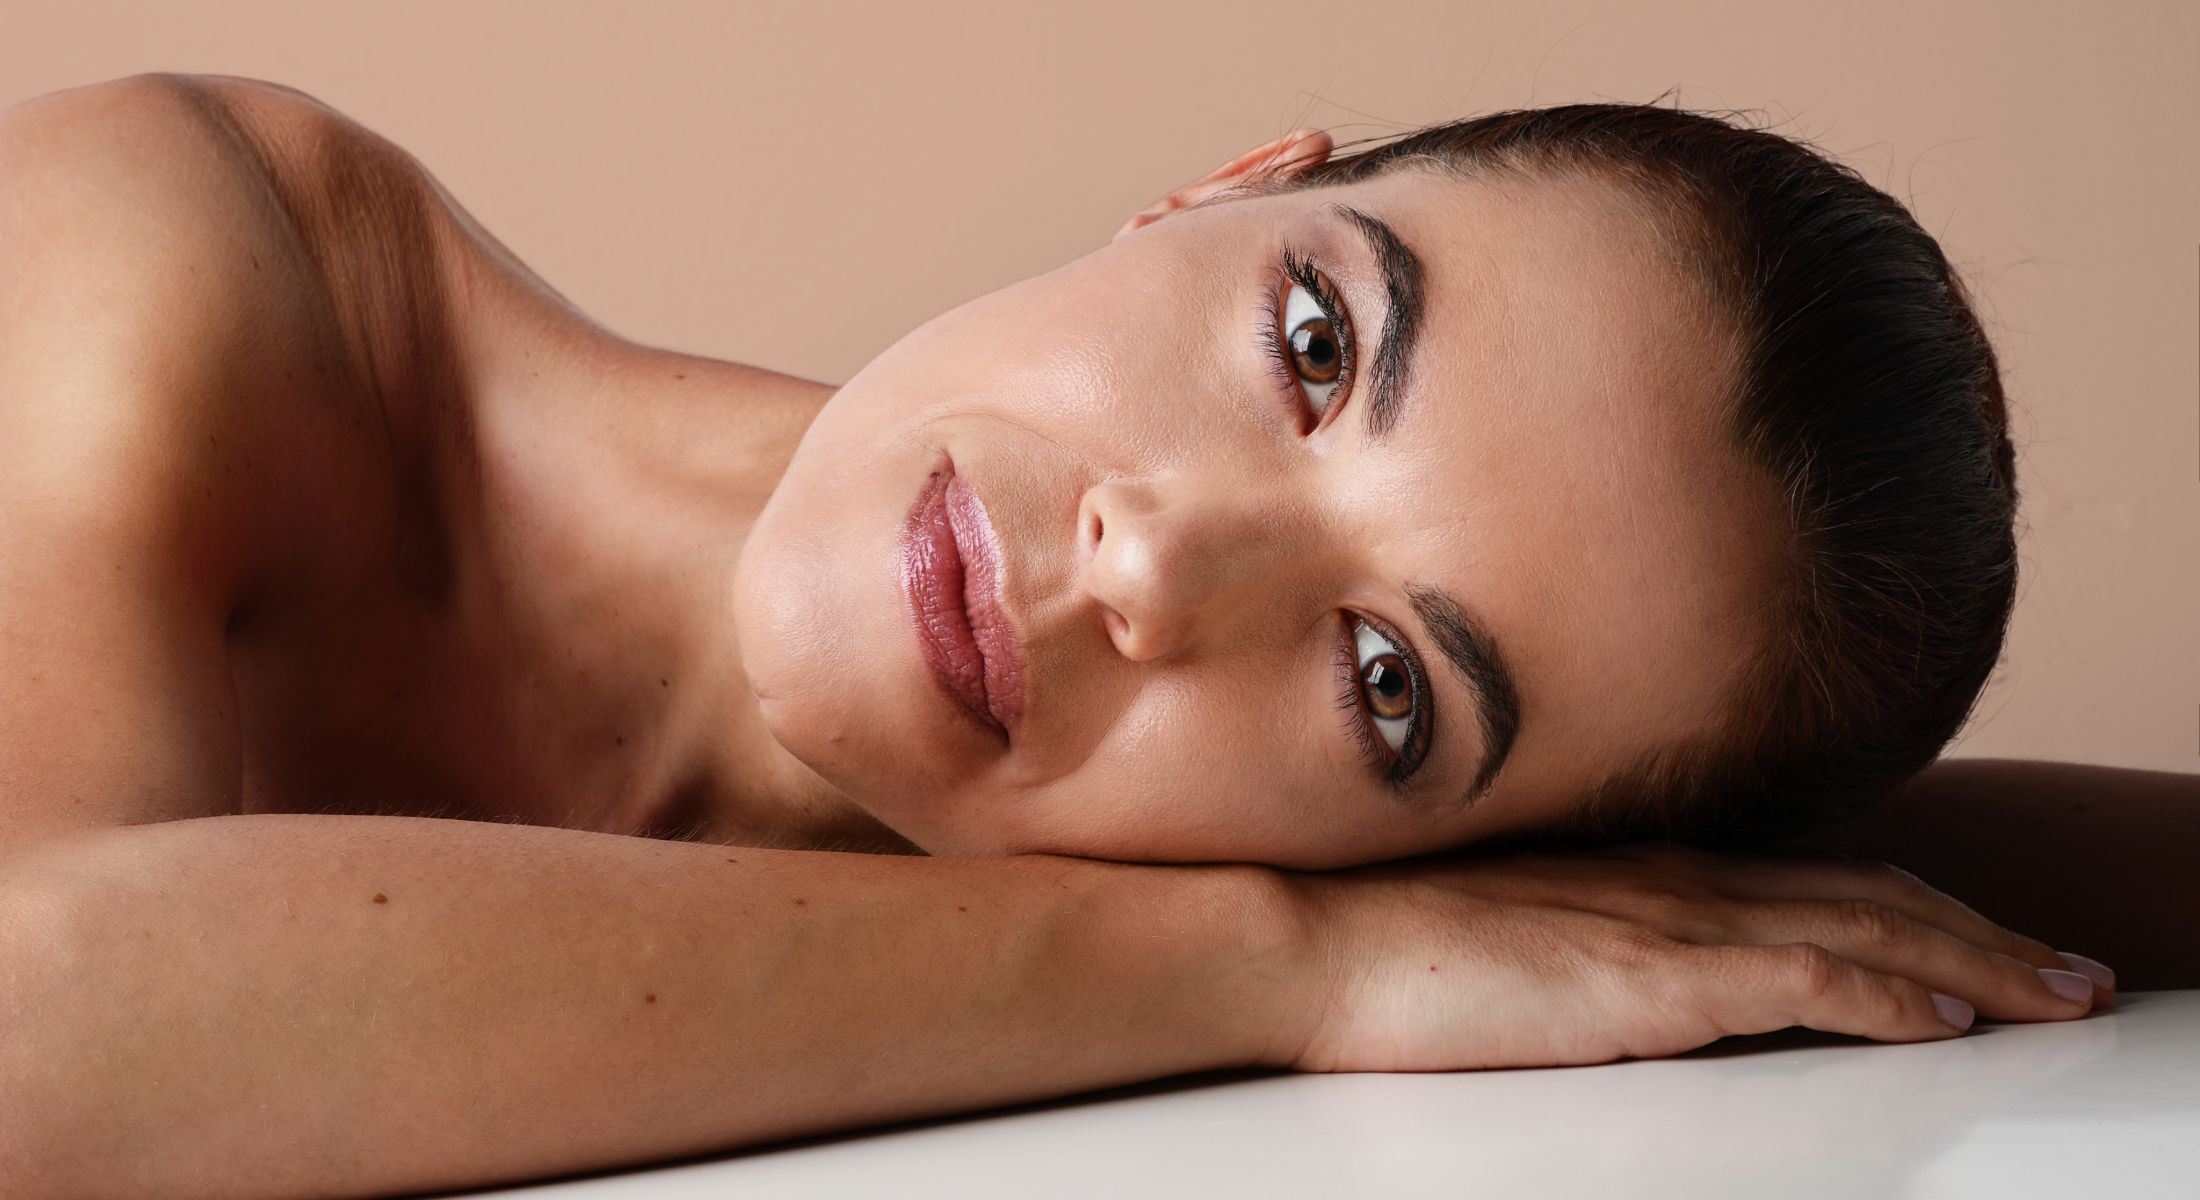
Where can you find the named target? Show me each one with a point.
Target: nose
(1169, 559)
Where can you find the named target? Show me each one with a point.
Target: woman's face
(1290, 611)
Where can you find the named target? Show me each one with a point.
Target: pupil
(1386, 683)
(1315, 348)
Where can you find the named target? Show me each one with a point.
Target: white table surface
(2106, 1106)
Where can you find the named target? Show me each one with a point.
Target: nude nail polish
(2068, 984)
(1955, 1012)
(2095, 971)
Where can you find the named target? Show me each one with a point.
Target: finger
(2104, 979)
(1891, 942)
(1757, 989)
(1820, 879)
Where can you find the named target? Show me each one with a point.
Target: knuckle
(1811, 969)
(1874, 924)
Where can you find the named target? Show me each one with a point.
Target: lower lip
(950, 578)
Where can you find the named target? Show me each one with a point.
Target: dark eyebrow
(1472, 652)
(1401, 272)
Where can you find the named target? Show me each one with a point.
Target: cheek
(1186, 775)
(1111, 357)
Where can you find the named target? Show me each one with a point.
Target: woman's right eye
(1386, 686)
(1309, 341)
(1314, 348)
(1383, 699)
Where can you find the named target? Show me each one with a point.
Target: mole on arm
(379, 898)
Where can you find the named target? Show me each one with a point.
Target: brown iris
(1314, 351)
(1389, 693)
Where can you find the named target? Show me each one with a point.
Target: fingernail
(1954, 1011)
(2069, 985)
(2095, 971)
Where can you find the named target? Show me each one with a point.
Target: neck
(618, 485)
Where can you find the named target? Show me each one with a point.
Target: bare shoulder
(243, 339)
(165, 292)
(173, 364)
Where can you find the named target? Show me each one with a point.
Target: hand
(1639, 952)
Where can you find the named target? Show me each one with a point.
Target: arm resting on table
(284, 1005)
(2100, 861)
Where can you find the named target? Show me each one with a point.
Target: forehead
(1571, 428)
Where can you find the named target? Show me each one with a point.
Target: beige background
(797, 185)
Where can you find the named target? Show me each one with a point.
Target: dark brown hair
(1866, 388)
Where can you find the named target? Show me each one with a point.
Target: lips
(951, 577)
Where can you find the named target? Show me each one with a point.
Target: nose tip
(1142, 626)
(1138, 643)
(1134, 560)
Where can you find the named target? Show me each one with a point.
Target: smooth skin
(325, 518)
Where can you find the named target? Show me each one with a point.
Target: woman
(1603, 470)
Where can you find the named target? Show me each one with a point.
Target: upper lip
(983, 585)
(984, 621)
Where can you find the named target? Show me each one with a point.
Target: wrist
(1223, 952)
(1279, 989)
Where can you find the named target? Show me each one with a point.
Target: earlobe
(1280, 159)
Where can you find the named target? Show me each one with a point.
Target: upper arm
(161, 303)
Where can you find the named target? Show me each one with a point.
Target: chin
(825, 648)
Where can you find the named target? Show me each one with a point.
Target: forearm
(293, 1005)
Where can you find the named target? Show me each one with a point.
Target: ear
(1286, 156)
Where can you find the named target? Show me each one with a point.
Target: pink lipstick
(951, 577)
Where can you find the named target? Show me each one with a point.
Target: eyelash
(1397, 766)
(1302, 272)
